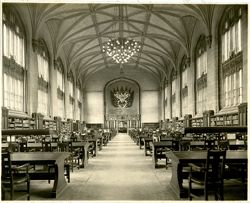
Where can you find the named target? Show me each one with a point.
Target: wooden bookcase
(21, 123)
(230, 119)
(197, 122)
(49, 124)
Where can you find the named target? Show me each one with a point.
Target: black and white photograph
(124, 101)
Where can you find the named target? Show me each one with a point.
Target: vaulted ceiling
(78, 32)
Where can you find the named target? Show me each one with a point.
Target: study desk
(35, 146)
(45, 158)
(147, 142)
(84, 150)
(94, 141)
(157, 147)
(100, 142)
(181, 159)
(140, 139)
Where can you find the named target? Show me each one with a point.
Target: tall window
(60, 88)
(166, 94)
(43, 76)
(184, 85)
(14, 70)
(231, 57)
(71, 96)
(79, 103)
(173, 93)
(201, 75)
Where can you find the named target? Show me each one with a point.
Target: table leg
(177, 179)
(101, 143)
(154, 157)
(60, 182)
(95, 149)
(145, 149)
(85, 157)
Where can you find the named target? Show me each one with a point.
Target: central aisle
(119, 172)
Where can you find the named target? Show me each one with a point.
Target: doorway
(122, 126)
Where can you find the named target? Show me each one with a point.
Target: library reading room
(124, 102)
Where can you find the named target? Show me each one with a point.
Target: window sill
(48, 118)
(20, 114)
(230, 109)
(198, 116)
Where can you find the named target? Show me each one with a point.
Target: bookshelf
(150, 125)
(230, 119)
(21, 123)
(197, 122)
(49, 124)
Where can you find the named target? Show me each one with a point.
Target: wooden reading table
(181, 159)
(147, 142)
(156, 146)
(84, 149)
(45, 158)
(95, 144)
(140, 140)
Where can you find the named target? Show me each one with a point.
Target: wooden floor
(119, 172)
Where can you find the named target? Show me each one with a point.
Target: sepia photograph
(124, 101)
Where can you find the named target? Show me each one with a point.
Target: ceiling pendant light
(121, 49)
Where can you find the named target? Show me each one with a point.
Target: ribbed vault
(78, 32)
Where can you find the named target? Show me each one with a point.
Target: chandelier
(121, 48)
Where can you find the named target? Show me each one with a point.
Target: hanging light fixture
(121, 49)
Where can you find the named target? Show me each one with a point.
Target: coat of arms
(122, 97)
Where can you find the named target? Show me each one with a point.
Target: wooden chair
(64, 147)
(75, 156)
(210, 176)
(223, 144)
(11, 176)
(23, 147)
(13, 147)
(209, 144)
(185, 145)
(46, 146)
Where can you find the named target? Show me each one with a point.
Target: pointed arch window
(166, 91)
(43, 76)
(184, 85)
(79, 103)
(71, 96)
(231, 57)
(173, 93)
(14, 70)
(201, 75)
(60, 88)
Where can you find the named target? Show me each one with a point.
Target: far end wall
(94, 95)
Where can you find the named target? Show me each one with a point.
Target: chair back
(223, 144)
(23, 147)
(13, 147)
(209, 144)
(175, 145)
(215, 165)
(63, 147)
(185, 145)
(6, 166)
(46, 146)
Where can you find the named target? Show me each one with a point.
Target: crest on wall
(122, 97)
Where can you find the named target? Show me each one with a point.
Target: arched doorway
(122, 105)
